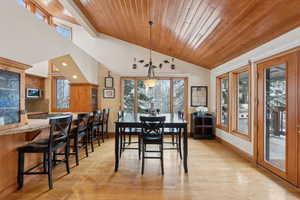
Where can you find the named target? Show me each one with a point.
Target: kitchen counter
(33, 125)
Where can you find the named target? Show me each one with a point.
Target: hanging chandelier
(151, 78)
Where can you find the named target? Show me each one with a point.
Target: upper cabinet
(12, 93)
(84, 97)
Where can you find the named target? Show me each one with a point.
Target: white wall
(26, 39)
(117, 56)
(280, 44)
(39, 69)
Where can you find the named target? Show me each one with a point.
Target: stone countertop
(33, 125)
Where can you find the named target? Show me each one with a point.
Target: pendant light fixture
(151, 78)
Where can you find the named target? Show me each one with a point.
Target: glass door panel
(9, 97)
(275, 116)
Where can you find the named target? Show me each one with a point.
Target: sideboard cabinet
(202, 125)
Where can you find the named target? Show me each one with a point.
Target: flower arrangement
(202, 109)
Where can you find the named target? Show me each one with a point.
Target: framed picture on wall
(199, 96)
(109, 93)
(109, 82)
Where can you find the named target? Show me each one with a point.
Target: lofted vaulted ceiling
(203, 32)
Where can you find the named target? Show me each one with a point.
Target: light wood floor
(215, 172)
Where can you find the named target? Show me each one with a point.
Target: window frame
(25, 3)
(218, 102)
(136, 79)
(234, 101)
(33, 7)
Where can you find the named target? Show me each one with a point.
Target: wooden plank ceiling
(56, 9)
(204, 32)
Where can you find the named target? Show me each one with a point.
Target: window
(178, 95)
(223, 102)
(241, 101)
(64, 31)
(167, 96)
(38, 11)
(157, 97)
(62, 94)
(21, 2)
(234, 102)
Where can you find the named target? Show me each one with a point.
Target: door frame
(290, 172)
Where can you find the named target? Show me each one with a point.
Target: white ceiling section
(26, 39)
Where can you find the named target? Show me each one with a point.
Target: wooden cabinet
(202, 126)
(84, 97)
(12, 93)
(35, 82)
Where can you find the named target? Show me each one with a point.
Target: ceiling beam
(71, 6)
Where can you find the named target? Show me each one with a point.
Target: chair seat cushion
(152, 139)
(74, 133)
(132, 131)
(97, 123)
(171, 131)
(34, 148)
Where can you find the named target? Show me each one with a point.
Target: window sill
(224, 128)
(241, 135)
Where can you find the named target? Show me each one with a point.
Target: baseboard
(8, 190)
(243, 154)
(111, 134)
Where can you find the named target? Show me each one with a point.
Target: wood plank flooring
(215, 172)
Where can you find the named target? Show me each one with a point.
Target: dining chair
(80, 136)
(58, 140)
(124, 144)
(152, 134)
(175, 134)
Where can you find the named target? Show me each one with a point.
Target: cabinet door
(94, 99)
(9, 97)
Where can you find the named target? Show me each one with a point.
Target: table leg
(117, 148)
(185, 149)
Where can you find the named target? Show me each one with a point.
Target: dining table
(132, 120)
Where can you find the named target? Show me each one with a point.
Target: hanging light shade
(150, 82)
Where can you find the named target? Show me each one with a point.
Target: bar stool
(105, 119)
(98, 129)
(58, 139)
(80, 135)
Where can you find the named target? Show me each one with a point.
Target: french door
(277, 116)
